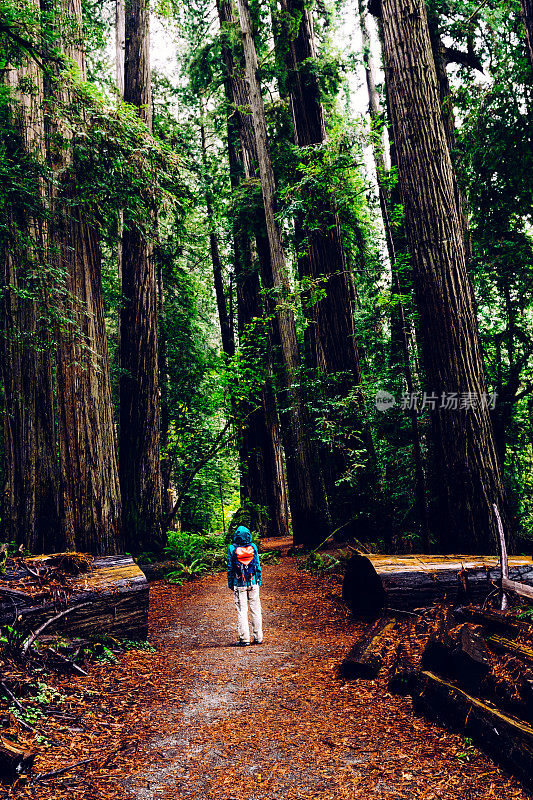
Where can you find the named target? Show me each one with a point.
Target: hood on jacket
(242, 536)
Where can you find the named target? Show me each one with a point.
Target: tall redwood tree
(306, 491)
(468, 478)
(90, 493)
(139, 435)
(30, 491)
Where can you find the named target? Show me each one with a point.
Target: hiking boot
(256, 641)
(241, 643)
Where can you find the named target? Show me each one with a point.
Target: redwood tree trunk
(90, 494)
(335, 346)
(378, 147)
(91, 505)
(226, 332)
(30, 500)
(306, 495)
(332, 339)
(140, 467)
(263, 484)
(469, 479)
(527, 8)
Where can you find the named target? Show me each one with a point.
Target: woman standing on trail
(244, 579)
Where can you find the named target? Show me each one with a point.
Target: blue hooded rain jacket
(242, 536)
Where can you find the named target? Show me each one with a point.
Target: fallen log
(465, 660)
(111, 597)
(14, 760)
(493, 620)
(402, 674)
(506, 739)
(365, 659)
(408, 582)
(517, 587)
(362, 588)
(504, 645)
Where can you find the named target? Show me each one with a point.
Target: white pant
(248, 596)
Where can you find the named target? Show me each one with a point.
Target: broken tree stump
(362, 588)
(365, 659)
(112, 596)
(408, 582)
(506, 739)
(14, 760)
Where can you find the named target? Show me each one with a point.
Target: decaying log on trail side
(407, 582)
(508, 740)
(505, 645)
(511, 688)
(362, 588)
(108, 594)
(403, 676)
(14, 760)
(366, 658)
(466, 661)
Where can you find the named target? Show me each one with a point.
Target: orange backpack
(244, 563)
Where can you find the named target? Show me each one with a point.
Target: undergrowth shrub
(196, 554)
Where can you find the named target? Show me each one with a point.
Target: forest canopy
(263, 264)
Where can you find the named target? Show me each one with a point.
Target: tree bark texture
(527, 9)
(448, 120)
(469, 479)
(228, 341)
(306, 494)
(263, 484)
(30, 499)
(91, 504)
(90, 493)
(140, 467)
(399, 321)
(323, 257)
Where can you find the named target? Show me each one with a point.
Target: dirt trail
(200, 718)
(275, 722)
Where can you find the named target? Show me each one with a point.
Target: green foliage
(316, 564)
(195, 555)
(468, 752)
(106, 655)
(141, 645)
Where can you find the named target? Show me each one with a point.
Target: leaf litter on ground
(199, 718)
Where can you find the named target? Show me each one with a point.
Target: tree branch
(217, 444)
(469, 59)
